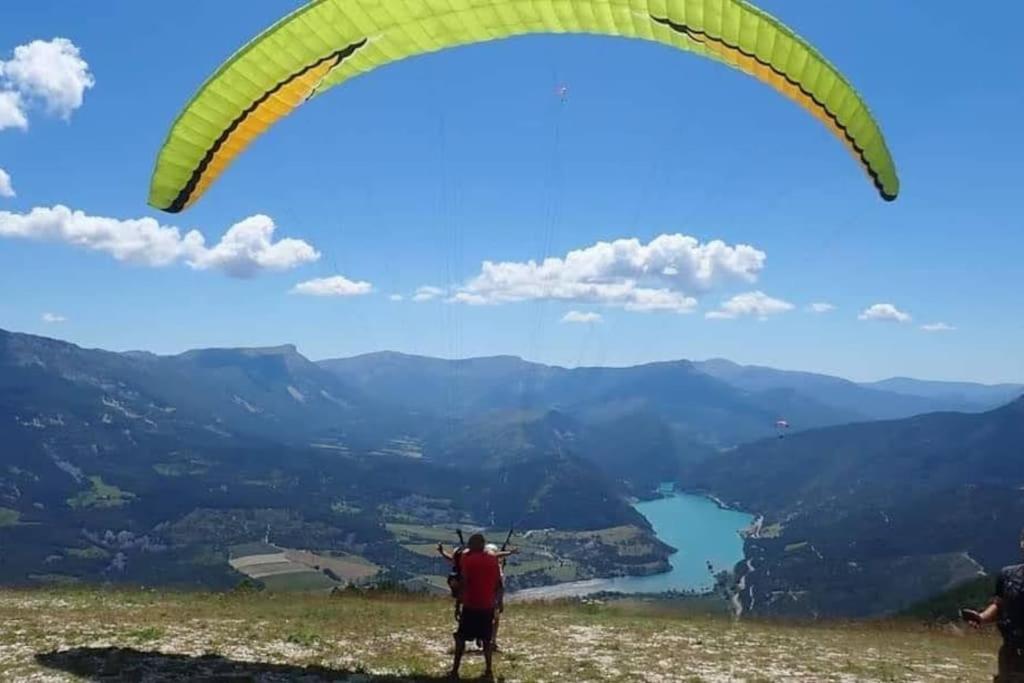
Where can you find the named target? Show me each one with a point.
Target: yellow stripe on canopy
(327, 42)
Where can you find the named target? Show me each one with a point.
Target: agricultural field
(9, 517)
(548, 556)
(286, 569)
(100, 495)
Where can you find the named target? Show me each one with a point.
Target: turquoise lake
(697, 527)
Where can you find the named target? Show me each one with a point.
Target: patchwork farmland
(287, 569)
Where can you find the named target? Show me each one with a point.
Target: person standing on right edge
(1007, 611)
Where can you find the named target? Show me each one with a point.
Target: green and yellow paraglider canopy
(327, 42)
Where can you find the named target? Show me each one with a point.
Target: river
(697, 527)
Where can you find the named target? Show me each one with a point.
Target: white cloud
(52, 73)
(246, 249)
(665, 274)
(427, 293)
(396, 297)
(142, 241)
(750, 304)
(53, 318)
(820, 307)
(938, 327)
(885, 313)
(12, 112)
(337, 285)
(581, 317)
(6, 189)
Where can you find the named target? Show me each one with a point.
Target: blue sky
(419, 172)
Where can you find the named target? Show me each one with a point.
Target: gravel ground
(142, 636)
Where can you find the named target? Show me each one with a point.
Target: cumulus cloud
(142, 241)
(337, 285)
(820, 307)
(53, 318)
(396, 297)
(750, 304)
(581, 317)
(12, 112)
(49, 73)
(6, 189)
(884, 313)
(938, 327)
(245, 250)
(666, 274)
(248, 248)
(427, 293)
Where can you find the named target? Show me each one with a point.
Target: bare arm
(988, 615)
(444, 553)
(991, 613)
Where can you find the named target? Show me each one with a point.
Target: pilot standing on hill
(1007, 610)
(481, 580)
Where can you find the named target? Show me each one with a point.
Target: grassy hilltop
(70, 635)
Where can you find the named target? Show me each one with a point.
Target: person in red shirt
(481, 580)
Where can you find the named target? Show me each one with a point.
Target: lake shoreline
(722, 505)
(707, 534)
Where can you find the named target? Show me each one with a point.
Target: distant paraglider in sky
(781, 427)
(327, 42)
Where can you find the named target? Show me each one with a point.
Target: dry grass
(112, 635)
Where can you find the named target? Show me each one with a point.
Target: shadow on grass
(128, 664)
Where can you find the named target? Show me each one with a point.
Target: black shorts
(476, 624)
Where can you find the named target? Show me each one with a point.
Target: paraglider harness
(508, 538)
(455, 575)
(500, 601)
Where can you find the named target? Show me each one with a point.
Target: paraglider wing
(327, 42)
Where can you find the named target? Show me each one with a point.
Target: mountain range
(872, 517)
(663, 414)
(160, 463)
